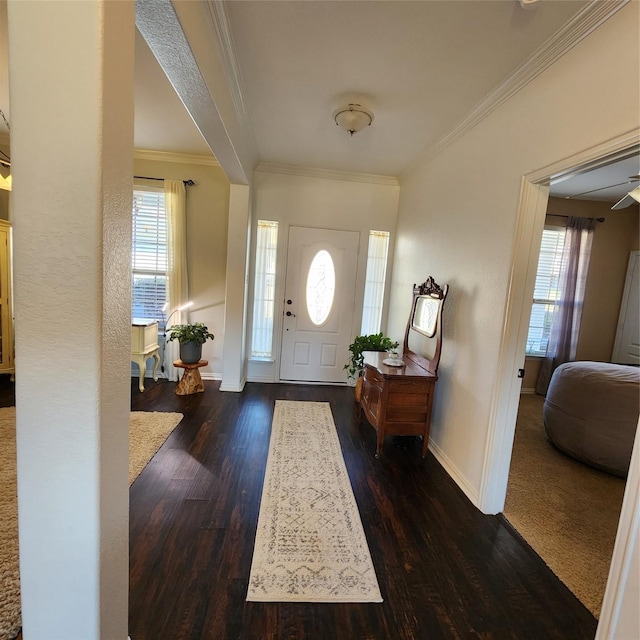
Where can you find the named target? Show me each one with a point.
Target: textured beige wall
(457, 222)
(297, 200)
(71, 66)
(207, 221)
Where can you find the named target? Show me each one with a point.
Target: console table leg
(141, 362)
(379, 442)
(156, 364)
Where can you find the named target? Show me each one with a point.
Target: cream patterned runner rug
(310, 545)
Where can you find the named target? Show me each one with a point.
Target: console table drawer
(396, 400)
(144, 335)
(408, 386)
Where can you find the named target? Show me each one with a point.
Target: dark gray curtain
(565, 325)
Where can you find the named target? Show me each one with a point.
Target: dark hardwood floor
(445, 570)
(7, 392)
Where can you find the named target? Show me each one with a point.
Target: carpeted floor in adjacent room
(567, 511)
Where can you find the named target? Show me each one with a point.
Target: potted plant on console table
(372, 342)
(191, 338)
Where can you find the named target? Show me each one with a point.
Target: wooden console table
(191, 381)
(397, 401)
(144, 345)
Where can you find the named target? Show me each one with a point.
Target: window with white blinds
(547, 290)
(374, 283)
(149, 255)
(264, 289)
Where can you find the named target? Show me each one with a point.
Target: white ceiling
(421, 66)
(608, 183)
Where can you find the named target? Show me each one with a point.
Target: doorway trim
(627, 308)
(534, 195)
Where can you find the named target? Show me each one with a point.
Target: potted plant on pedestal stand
(373, 342)
(191, 338)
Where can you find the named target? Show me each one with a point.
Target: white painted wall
(71, 74)
(207, 223)
(620, 618)
(321, 202)
(457, 216)
(233, 372)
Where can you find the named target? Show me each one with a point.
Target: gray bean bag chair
(591, 413)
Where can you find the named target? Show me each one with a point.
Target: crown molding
(588, 20)
(168, 156)
(329, 174)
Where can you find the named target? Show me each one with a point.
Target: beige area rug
(310, 545)
(148, 430)
(567, 511)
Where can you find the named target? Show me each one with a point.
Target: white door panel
(315, 351)
(626, 349)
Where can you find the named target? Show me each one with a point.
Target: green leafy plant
(373, 342)
(197, 333)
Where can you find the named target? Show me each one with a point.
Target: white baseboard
(454, 472)
(210, 376)
(237, 388)
(527, 391)
(266, 379)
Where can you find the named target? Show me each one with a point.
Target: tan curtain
(175, 199)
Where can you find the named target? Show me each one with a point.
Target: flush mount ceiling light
(353, 118)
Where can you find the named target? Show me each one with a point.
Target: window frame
(139, 268)
(264, 280)
(375, 282)
(550, 303)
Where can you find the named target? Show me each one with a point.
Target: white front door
(318, 304)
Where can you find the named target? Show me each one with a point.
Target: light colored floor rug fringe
(148, 430)
(567, 511)
(310, 545)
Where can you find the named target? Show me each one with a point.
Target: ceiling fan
(632, 197)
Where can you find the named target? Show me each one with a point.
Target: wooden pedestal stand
(191, 382)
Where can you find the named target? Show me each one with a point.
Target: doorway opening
(535, 204)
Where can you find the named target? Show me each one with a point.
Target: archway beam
(179, 35)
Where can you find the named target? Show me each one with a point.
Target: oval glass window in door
(321, 287)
